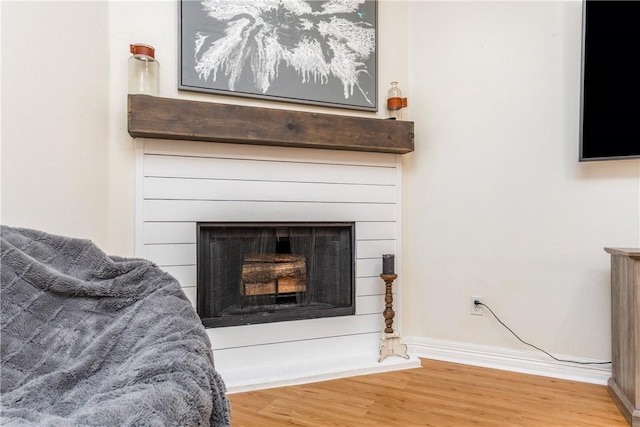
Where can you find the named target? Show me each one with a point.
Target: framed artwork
(320, 52)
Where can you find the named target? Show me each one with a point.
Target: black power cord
(531, 345)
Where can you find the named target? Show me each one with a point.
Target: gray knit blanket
(89, 339)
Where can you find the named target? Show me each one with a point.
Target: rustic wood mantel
(179, 119)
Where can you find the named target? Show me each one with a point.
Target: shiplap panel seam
(230, 151)
(336, 162)
(260, 334)
(197, 189)
(198, 210)
(268, 171)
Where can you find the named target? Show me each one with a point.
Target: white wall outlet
(476, 309)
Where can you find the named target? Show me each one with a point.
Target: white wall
(497, 204)
(55, 89)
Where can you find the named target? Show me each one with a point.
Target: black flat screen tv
(610, 93)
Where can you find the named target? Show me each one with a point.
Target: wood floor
(438, 394)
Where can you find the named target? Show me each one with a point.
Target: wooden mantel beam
(179, 119)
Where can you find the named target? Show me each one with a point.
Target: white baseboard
(301, 372)
(507, 359)
(249, 379)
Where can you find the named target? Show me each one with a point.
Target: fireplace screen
(266, 272)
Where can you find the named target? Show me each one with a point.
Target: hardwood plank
(438, 394)
(180, 119)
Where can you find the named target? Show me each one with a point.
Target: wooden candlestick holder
(390, 342)
(388, 312)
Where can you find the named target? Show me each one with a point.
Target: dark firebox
(252, 273)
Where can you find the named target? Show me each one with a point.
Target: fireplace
(180, 184)
(249, 273)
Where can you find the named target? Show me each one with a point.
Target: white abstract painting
(309, 51)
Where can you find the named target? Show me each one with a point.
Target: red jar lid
(142, 49)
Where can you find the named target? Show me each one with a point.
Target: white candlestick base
(390, 345)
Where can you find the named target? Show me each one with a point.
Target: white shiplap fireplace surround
(181, 182)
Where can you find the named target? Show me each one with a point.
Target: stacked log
(271, 273)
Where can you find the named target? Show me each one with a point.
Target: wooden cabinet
(624, 384)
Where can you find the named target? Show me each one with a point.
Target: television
(610, 76)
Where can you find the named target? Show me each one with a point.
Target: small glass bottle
(395, 102)
(143, 70)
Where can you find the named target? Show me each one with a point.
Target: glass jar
(395, 102)
(143, 70)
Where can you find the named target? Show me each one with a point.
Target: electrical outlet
(475, 309)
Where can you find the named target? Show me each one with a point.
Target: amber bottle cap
(142, 49)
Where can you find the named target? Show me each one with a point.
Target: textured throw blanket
(94, 340)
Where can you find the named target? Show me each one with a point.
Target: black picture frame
(315, 52)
